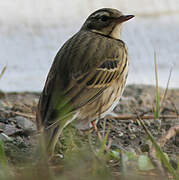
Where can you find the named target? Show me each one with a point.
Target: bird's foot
(93, 123)
(101, 139)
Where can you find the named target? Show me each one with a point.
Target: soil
(17, 121)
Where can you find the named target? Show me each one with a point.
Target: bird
(87, 77)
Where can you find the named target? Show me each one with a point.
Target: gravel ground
(17, 121)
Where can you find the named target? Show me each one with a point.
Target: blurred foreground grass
(84, 157)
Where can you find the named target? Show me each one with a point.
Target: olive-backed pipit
(87, 77)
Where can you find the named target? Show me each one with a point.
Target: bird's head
(107, 22)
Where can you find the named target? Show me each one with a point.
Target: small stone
(2, 126)
(115, 146)
(121, 134)
(11, 120)
(132, 136)
(11, 130)
(145, 148)
(3, 120)
(60, 156)
(4, 137)
(27, 125)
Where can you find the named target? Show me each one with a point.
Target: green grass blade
(3, 160)
(4, 170)
(159, 151)
(157, 105)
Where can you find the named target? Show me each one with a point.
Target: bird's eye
(104, 18)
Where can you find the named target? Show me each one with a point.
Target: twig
(24, 115)
(134, 117)
(168, 135)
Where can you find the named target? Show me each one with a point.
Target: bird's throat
(116, 32)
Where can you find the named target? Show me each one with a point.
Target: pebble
(27, 125)
(2, 126)
(4, 137)
(11, 130)
(3, 120)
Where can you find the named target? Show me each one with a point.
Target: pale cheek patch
(116, 33)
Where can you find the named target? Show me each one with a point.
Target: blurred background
(31, 32)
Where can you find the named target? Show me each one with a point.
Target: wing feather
(105, 74)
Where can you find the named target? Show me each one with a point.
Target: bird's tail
(50, 135)
(52, 120)
(51, 138)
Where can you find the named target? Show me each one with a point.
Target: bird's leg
(93, 123)
(107, 147)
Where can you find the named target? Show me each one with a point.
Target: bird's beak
(124, 18)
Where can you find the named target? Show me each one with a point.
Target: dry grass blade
(166, 90)
(168, 135)
(175, 108)
(3, 71)
(160, 153)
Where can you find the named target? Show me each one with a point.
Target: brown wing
(105, 74)
(92, 84)
(80, 76)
